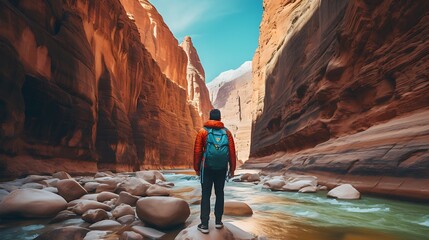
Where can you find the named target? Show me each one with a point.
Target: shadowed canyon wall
(80, 92)
(340, 91)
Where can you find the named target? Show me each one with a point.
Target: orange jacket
(200, 143)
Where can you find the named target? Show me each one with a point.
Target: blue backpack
(216, 155)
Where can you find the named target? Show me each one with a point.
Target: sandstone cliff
(79, 91)
(231, 93)
(198, 93)
(340, 89)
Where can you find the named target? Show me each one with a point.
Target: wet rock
(105, 196)
(69, 232)
(156, 190)
(148, 176)
(148, 232)
(70, 190)
(234, 208)
(130, 235)
(34, 178)
(51, 182)
(135, 186)
(91, 186)
(127, 198)
(297, 185)
(275, 184)
(95, 215)
(250, 177)
(63, 215)
(122, 210)
(32, 185)
(308, 189)
(344, 191)
(103, 187)
(85, 205)
(162, 212)
(228, 232)
(62, 175)
(32, 203)
(51, 189)
(127, 219)
(164, 184)
(92, 196)
(322, 188)
(110, 225)
(98, 235)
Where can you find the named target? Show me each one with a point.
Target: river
(289, 216)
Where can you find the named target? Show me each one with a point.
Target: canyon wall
(80, 92)
(231, 93)
(340, 91)
(198, 93)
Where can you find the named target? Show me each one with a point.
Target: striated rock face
(198, 93)
(231, 93)
(327, 71)
(158, 39)
(79, 91)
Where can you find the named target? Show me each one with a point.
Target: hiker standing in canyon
(214, 151)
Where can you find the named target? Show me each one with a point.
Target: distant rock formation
(327, 73)
(231, 92)
(80, 92)
(198, 94)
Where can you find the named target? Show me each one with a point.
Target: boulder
(344, 191)
(103, 187)
(51, 189)
(85, 205)
(98, 235)
(130, 235)
(148, 232)
(3, 194)
(34, 178)
(274, 184)
(104, 174)
(148, 176)
(235, 208)
(228, 232)
(33, 185)
(127, 219)
(122, 210)
(127, 198)
(162, 212)
(135, 186)
(105, 196)
(69, 232)
(63, 215)
(95, 215)
(250, 177)
(32, 203)
(110, 225)
(62, 175)
(164, 184)
(91, 196)
(91, 186)
(297, 185)
(50, 182)
(156, 190)
(308, 189)
(70, 190)
(322, 188)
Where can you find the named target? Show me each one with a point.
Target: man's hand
(230, 174)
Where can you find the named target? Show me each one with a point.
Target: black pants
(208, 178)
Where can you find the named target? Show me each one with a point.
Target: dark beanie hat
(215, 114)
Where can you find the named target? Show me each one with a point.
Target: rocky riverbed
(152, 205)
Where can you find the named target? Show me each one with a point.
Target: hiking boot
(219, 225)
(203, 228)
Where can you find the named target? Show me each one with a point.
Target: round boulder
(344, 191)
(274, 184)
(32, 203)
(122, 210)
(163, 212)
(127, 198)
(135, 186)
(156, 190)
(106, 196)
(234, 208)
(70, 190)
(95, 215)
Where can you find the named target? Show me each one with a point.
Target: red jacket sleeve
(232, 154)
(199, 149)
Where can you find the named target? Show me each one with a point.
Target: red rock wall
(79, 91)
(331, 69)
(198, 94)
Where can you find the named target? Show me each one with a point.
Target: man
(214, 151)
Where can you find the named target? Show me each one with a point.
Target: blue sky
(224, 32)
